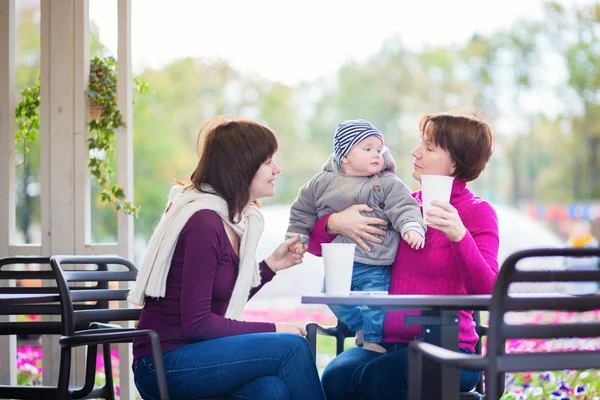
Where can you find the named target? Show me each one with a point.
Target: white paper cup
(434, 187)
(338, 259)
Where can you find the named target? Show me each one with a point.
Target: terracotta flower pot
(95, 111)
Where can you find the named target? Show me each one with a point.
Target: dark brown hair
(464, 136)
(231, 152)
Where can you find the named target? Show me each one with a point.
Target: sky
(290, 42)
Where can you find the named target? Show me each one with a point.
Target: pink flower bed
(29, 366)
(298, 315)
(553, 385)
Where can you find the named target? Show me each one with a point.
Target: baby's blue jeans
(365, 277)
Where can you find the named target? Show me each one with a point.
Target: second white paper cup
(434, 187)
(338, 259)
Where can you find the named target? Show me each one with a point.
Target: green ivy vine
(105, 120)
(102, 95)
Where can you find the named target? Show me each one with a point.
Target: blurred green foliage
(537, 83)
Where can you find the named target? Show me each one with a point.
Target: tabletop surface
(415, 301)
(28, 298)
(418, 301)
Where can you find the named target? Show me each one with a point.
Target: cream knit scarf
(184, 201)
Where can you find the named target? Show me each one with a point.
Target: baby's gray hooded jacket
(331, 191)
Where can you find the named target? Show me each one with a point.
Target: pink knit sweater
(469, 266)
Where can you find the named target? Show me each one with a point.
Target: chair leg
(108, 390)
(311, 336)
(501, 384)
(479, 386)
(415, 365)
(109, 387)
(492, 391)
(64, 374)
(498, 388)
(339, 342)
(90, 374)
(159, 365)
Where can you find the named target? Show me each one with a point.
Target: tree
(574, 32)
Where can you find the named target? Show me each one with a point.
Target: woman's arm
(348, 222)
(477, 251)
(319, 235)
(475, 241)
(266, 275)
(203, 249)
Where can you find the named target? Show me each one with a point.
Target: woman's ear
(453, 169)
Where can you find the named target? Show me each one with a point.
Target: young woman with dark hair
(200, 270)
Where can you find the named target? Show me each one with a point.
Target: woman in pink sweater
(460, 257)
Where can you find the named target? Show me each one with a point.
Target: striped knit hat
(350, 133)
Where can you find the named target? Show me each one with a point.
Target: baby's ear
(344, 160)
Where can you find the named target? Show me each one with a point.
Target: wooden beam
(125, 134)
(81, 67)
(8, 356)
(125, 172)
(50, 347)
(8, 98)
(26, 249)
(62, 125)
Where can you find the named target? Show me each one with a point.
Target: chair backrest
(15, 269)
(86, 304)
(502, 303)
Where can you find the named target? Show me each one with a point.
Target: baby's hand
(298, 248)
(415, 240)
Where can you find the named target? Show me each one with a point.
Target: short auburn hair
(466, 137)
(231, 152)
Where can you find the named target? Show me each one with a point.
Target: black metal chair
(6, 275)
(99, 318)
(496, 362)
(341, 332)
(37, 276)
(482, 331)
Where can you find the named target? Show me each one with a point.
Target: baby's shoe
(359, 340)
(375, 347)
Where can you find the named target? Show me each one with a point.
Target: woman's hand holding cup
(445, 218)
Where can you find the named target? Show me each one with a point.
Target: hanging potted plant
(95, 83)
(104, 121)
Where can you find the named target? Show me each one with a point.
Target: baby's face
(365, 158)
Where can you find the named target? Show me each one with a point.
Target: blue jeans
(258, 366)
(365, 277)
(367, 375)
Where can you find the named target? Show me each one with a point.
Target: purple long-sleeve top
(200, 282)
(469, 266)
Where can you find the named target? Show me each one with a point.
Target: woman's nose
(415, 152)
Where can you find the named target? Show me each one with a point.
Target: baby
(361, 171)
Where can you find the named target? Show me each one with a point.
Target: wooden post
(64, 31)
(64, 175)
(81, 129)
(8, 344)
(125, 173)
